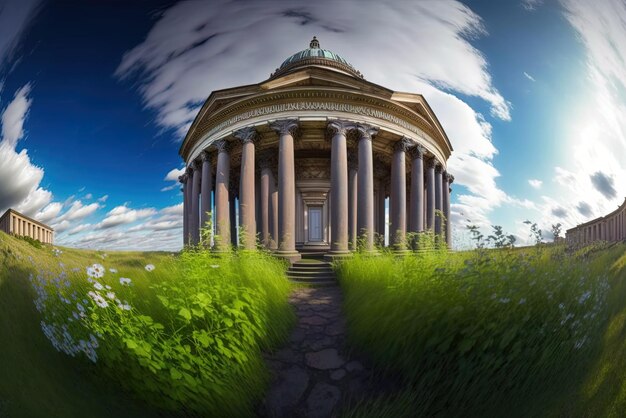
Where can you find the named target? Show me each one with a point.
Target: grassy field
(525, 332)
(184, 337)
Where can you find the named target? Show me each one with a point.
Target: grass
(190, 345)
(492, 333)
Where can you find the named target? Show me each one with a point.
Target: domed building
(308, 158)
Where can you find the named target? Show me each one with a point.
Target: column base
(337, 255)
(402, 251)
(291, 256)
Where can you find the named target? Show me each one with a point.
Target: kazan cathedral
(307, 159)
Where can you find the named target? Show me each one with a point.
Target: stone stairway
(312, 272)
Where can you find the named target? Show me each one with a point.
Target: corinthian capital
(366, 131)
(222, 145)
(205, 156)
(284, 126)
(245, 135)
(182, 179)
(431, 162)
(402, 145)
(194, 165)
(438, 167)
(417, 151)
(339, 127)
(450, 178)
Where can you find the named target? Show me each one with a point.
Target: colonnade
(15, 223)
(611, 227)
(351, 192)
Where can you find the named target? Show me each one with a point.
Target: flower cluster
(65, 306)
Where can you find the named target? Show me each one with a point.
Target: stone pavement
(312, 375)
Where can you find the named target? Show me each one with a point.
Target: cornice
(312, 94)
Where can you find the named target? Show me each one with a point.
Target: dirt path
(312, 376)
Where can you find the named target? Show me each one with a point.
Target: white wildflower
(98, 286)
(504, 300)
(98, 299)
(111, 295)
(113, 270)
(125, 281)
(522, 301)
(214, 266)
(150, 267)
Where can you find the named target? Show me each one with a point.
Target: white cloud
(20, 185)
(80, 228)
(528, 76)
(121, 215)
(191, 40)
(88, 196)
(164, 232)
(49, 212)
(173, 176)
(15, 16)
(534, 183)
(103, 198)
(14, 116)
(78, 211)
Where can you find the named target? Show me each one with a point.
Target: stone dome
(314, 55)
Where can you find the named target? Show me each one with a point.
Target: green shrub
(194, 346)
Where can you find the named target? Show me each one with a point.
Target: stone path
(312, 376)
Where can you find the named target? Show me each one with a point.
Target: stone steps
(313, 273)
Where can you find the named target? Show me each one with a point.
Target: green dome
(315, 55)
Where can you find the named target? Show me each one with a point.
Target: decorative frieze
(314, 106)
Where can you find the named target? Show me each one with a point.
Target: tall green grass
(481, 333)
(185, 338)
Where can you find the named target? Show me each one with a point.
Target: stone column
(183, 180)
(397, 205)
(430, 194)
(273, 212)
(266, 176)
(381, 207)
(352, 200)
(417, 188)
(438, 197)
(449, 178)
(365, 207)
(247, 199)
(339, 189)
(222, 183)
(232, 213)
(286, 189)
(205, 192)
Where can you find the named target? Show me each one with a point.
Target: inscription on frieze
(323, 106)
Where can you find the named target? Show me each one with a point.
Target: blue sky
(95, 99)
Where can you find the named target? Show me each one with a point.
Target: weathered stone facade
(310, 156)
(14, 223)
